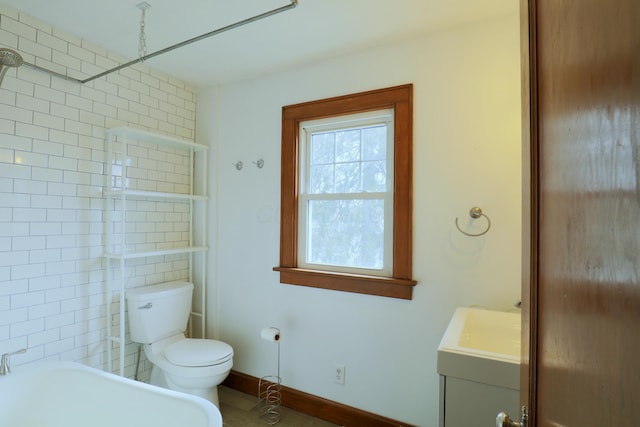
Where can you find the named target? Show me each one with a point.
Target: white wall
(51, 178)
(466, 153)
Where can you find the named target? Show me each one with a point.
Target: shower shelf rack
(116, 198)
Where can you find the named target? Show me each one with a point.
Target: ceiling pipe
(293, 4)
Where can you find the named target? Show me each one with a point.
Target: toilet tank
(158, 311)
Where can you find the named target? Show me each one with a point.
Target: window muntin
(346, 194)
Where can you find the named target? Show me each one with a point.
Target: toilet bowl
(158, 316)
(194, 366)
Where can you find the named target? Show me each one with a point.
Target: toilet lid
(198, 352)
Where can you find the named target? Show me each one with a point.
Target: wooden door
(582, 309)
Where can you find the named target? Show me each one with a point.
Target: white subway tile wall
(52, 174)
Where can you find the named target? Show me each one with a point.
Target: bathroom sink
(482, 346)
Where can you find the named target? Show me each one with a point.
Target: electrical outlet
(338, 374)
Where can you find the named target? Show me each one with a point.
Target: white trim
(359, 120)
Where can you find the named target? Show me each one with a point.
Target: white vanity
(479, 367)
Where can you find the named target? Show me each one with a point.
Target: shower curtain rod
(293, 4)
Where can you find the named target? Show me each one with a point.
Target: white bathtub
(67, 394)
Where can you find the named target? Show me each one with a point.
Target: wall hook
(475, 213)
(238, 165)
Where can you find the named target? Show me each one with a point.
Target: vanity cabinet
(465, 402)
(155, 199)
(479, 367)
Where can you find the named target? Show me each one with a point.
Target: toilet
(158, 317)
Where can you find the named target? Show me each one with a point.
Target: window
(346, 193)
(345, 202)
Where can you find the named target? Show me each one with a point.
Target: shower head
(8, 58)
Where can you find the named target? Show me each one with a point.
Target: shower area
(55, 184)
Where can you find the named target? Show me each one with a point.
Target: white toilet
(158, 317)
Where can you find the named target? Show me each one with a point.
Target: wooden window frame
(400, 284)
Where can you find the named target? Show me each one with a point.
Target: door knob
(504, 420)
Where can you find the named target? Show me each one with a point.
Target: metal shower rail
(293, 3)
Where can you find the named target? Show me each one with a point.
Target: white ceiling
(312, 31)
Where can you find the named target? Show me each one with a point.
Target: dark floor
(241, 410)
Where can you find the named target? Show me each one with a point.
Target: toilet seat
(198, 352)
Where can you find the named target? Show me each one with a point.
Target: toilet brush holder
(269, 387)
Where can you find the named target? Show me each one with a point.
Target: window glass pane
(348, 145)
(322, 145)
(374, 176)
(321, 179)
(348, 178)
(374, 143)
(347, 233)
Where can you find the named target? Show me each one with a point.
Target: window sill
(370, 285)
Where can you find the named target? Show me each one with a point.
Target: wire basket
(269, 399)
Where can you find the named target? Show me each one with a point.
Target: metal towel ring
(475, 213)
